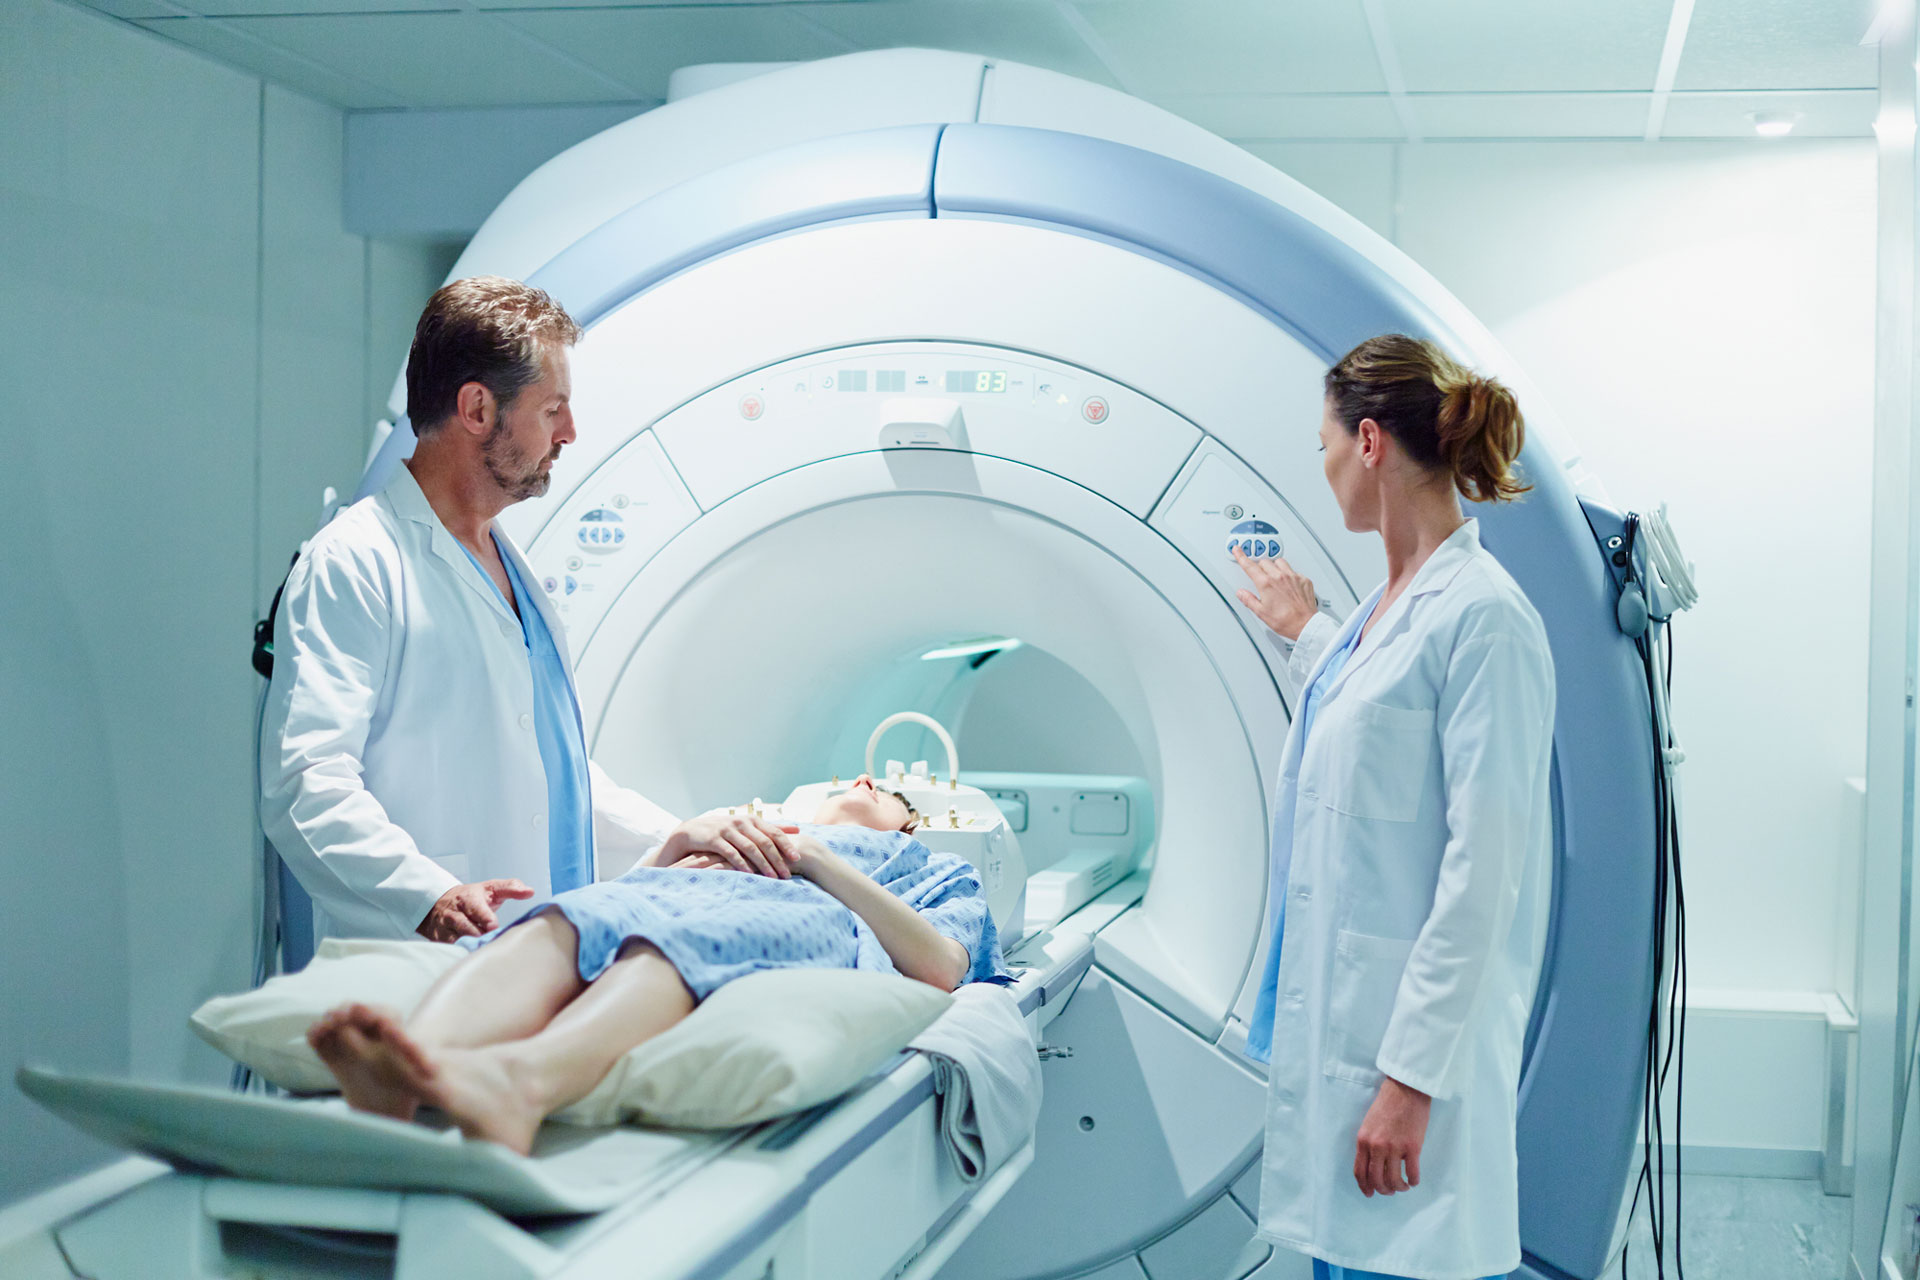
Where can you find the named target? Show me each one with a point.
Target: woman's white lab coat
(1411, 838)
(398, 756)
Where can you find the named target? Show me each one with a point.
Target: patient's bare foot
(380, 1068)
(486, 1093)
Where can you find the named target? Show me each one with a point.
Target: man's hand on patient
(467, 910)
(739, 841)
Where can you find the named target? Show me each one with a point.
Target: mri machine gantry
(1035, 352)
(1158, 307)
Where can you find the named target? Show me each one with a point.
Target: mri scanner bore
(1153, 310)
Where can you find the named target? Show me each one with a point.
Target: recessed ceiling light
(1774, 124)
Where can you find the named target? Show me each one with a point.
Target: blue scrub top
(563, 747)
(1260, 1034)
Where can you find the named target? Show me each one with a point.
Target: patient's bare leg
(506, 990)
(378, 1067)
(502, 1092)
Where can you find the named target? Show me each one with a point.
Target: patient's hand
(743, 843)
(808, 856)
(804, 860)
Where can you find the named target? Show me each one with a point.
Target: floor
(1749, 1229)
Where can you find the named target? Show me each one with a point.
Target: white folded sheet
(986, 1069)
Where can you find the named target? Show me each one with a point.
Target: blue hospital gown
(718, 925)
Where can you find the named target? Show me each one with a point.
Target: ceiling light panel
(1237, 46)
(1834, 113)
(1779, 44)
(1030, 31)
(1519, 46)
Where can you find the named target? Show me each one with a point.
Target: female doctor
(1410, 838)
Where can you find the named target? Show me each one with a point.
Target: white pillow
(762, 1046)
(759, 1047)
(266, 1029)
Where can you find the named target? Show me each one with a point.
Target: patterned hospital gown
(718, 925)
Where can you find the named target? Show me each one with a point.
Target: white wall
(194, 349)
(1700, 316)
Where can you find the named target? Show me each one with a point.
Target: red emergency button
(1094, 410)
(751, 407)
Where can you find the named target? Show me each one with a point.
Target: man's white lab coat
(398, 756)
(1411, 839)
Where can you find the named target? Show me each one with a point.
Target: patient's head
(866, 805)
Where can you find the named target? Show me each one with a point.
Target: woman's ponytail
(1448, 420)
(1480, 434)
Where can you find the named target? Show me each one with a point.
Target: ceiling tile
(1779, 44)
(435, 59)
(238, 47)
(136, 9)
(1832, 113)
(1506, 46)
(1017, 30)
(1237, 46)
(1530, 115)
(282, 8)
(642, 47)
(1247, 116)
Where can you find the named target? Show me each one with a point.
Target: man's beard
(518, 477)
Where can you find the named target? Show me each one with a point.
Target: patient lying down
(545, 1007)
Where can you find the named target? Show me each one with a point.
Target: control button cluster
(1254, 538)
(601, 530)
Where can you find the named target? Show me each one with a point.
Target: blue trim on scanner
(1580, 1094)
(859, 175)
(1210, 227)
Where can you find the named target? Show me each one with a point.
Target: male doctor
(423, 764)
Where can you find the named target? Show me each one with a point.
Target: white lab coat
(1412, 835)
(398, 756)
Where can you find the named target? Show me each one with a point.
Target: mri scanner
(902, 349)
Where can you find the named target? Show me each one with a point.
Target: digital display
(853, 379)
(976, 380)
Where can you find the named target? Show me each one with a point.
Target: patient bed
(861, 1187)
